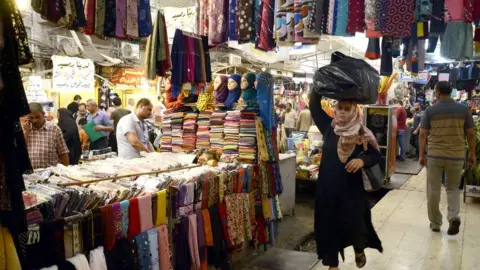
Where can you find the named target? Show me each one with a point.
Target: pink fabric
(164, 248)
(193, 243)
(455, 10)
(217, 23)
(120, 17)
(145, 208)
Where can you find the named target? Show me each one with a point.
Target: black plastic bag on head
(347, 78)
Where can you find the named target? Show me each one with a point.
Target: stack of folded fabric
(232, 130)
(203, 131)
(189, 131)
(166, 133)
(216, 130)
(177, 132)
(248, 133)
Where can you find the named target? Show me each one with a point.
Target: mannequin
(206, 99)
(172, 103)
(249, 94)
(221, 90)
(234, 90)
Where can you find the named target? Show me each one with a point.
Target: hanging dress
(144, 18)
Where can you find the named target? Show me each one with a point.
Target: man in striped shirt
(446, 124)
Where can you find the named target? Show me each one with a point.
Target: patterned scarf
(265, 99)
(351, 133)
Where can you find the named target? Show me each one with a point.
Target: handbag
(373, 177)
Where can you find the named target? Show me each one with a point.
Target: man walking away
(401, 130)
(290, 117)
(132, 137)
(417, 118)
(304, 120)
(102, 123)
(73, 107)
(445, 124)
(115, 117)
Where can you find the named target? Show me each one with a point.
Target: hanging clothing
(399, 18)
(110, 18)
(457, 42)
(217, 22)
(144, 19)
(132, 19)
(341, 17)
(203, 18)
(265, 99)
(245, 18)
(356, 16)
(8, 258)
(423, 10)
(120, 18)
(386, 64)
(265, 41)
(90, 6)
(100, 8)
(454, 10)
(232, 20)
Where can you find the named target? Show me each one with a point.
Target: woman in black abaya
(70, 134)
(342, 211)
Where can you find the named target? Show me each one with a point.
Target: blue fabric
(143, 250)
(177, 63)
(265, 99)
(110, 19)
(341, 18)
(153, 240)
(124, 205)
(144, 18)
(232, 20)
(101, 118)
(249, 95)
(233, 95)
(402, 142)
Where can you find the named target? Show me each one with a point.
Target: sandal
(361, 261)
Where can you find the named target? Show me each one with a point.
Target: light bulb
(22, 4)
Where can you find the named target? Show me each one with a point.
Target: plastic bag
(347, 78)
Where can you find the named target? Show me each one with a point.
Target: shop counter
(288, 171)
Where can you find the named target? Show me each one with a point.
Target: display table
(288, 171)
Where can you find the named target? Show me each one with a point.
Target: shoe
(360, 261)
(454, 227)
(434, 229)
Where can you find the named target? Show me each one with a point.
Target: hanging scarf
(249, 95)
(232, 19)
(351, 133)
(245, 19)
(132, 19)
(221, 92)
(90, 16)
(265, 99)
(110, 18)
(99, 17)
(234, 94)
(217, 22)
(265, 41)
(120, 17)
(151, 50)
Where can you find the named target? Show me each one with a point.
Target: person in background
(73, 107)
(445, 124)
(401, 129)
(81, 114)
(45, 143)
(290, 117)
(115, 117)
(131, 104)
(70, 135)
(132, 137)
(84, 141)
(304, 120)
(159, 109)
(417, 118)
(112, 106)
(102, 123)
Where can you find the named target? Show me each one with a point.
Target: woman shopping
(342, 211)
(70, 134)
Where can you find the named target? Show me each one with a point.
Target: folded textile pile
(216, 130)
(247, 146)
(232, 131)
(203, 131)
(177, 132)
(166, 142)
(189, 131)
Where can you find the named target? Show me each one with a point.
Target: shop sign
(127, 76)
(422, 78)
(72, 73)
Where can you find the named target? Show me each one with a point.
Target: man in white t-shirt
(132, 137)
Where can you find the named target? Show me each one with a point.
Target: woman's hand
(354, 165)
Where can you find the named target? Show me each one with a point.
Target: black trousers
(332, 259)
(101, 143)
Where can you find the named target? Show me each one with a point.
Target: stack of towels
(216, 130)
(189, 131)
(203, 130)
(248, 138)
(232, 131)
(166, 145)
(177, 132)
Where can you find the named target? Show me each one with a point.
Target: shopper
(102, 123)
(70, 135)
(132, 137)
(417, 118)
(401, 130)
(131, 104)
(115, 117)
(342, 210)
(446, 124)
(84, 141)
(290, 117)
(45, 143)
(304, 120)
(80, 114)
(73, 107)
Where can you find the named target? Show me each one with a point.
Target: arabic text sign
(72, 74)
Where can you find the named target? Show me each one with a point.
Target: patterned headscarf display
(265, 99)
(249, 94)
(234, 95)
(221, 92)
(351, 133)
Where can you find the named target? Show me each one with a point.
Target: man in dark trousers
(401, 130)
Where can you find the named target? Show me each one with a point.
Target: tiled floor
(402, 224)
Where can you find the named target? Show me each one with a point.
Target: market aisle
(401, 221)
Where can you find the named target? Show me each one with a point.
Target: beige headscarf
(351, 133)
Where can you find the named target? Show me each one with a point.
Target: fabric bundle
(166, 141)
(217, 122)
(157, 54)
(232, 131)
(247, 140)
(189, 132)
(66, 13)
(203, 131)
(177, 132)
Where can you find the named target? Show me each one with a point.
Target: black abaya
(342, 212)
(70, 135)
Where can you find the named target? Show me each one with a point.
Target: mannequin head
(234, 82)
(217, 82)
(244, 83)
(248, 80)
(221, 90)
